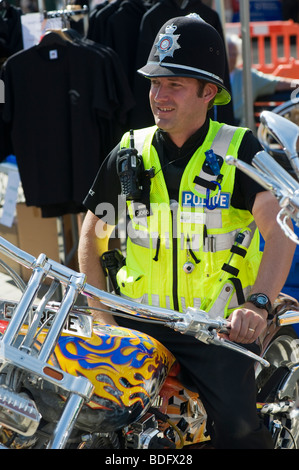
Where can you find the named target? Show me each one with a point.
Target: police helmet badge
(167, 43)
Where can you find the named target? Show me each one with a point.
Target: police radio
(130, 168)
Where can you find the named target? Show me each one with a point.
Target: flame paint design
(116, 349)
(126, 367)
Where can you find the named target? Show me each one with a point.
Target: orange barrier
(275, 43)
(260, 106)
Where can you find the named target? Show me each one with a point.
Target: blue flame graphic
(110, 347)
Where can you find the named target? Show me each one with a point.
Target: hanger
(3, 5)
(54, 36)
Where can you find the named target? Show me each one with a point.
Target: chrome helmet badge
(168, 43)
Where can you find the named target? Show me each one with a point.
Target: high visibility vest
(202, 231)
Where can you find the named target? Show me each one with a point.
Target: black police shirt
(106, 186)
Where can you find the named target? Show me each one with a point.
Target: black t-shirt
(74, 97)
(106, 187)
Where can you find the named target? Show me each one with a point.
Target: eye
(154, 83)
(175, 84)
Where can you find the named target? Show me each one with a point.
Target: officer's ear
(209, 92)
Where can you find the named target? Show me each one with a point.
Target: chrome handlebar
(198, 324)
(193, 322)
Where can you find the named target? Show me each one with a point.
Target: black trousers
(225, 381)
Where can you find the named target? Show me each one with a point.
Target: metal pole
(246, 52)
(219, 7)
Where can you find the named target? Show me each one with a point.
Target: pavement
(8, 289)
(11, 292)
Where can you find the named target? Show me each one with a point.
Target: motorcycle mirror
(285, 132)
(288, 318)
(269, 166)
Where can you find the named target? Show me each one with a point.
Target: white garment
(262, 84)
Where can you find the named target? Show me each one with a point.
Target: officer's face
(177, 106)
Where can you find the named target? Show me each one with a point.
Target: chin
(161, 124)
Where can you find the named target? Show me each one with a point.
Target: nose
(159, 92)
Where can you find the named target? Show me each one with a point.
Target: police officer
(193, 234)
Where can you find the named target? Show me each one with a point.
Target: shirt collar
(195, 141)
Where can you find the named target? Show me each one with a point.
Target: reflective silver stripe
(196, 241)
(223, 139)
(220, 146)
(214, 218)
(201, 189)
(139, 237)
(139, 139)
(141, 300)
(167, 244)
(142, 238)
(234, 301)
(155, 300)
(220, 241)
(212, 243)
(222, 244)
(217, 242)
(218, 306)
(185, 67)
(196, 303)
(249, 234)
(145, 299)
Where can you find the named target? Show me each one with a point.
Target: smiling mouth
(164, 110)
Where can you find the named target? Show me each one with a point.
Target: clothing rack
(70, 13)
(67, 13)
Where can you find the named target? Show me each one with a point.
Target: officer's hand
(247, 323)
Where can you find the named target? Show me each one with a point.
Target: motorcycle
(67, 381)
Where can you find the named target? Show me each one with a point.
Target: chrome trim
(18, 412)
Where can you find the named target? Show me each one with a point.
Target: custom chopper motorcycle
(69, 382)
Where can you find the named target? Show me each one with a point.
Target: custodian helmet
(187, 46)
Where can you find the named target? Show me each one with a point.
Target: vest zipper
(175, 272)
(174, 212)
